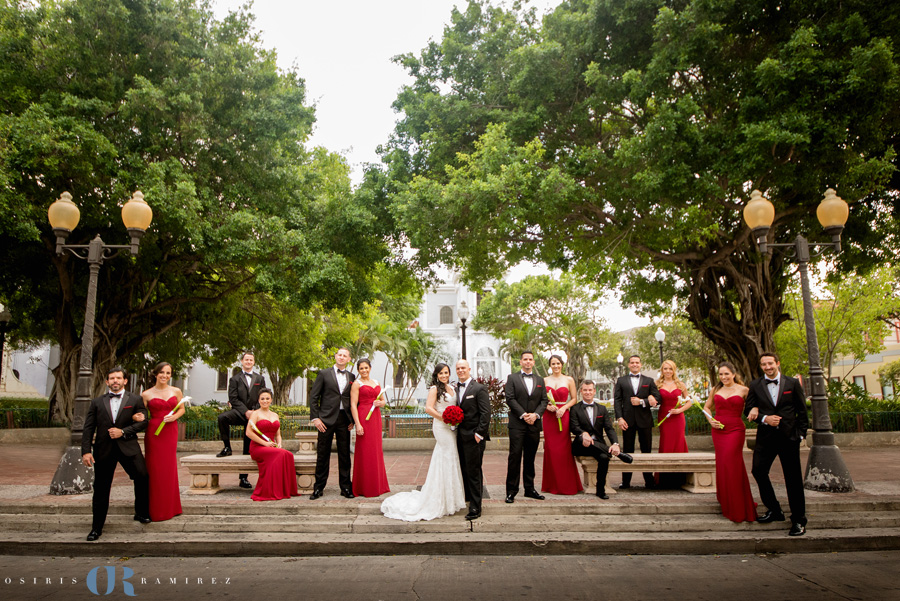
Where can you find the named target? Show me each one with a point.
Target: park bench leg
(204, 484)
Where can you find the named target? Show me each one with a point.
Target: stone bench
(699, 467)
(205, 469)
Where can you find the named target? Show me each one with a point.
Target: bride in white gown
(442, 494)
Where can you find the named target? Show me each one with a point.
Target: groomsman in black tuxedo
(243, 396)
(526, 397)
(110, 416)
(778, 404)
(634, 396)
(329, 412)
(472, 434)
(588, 420)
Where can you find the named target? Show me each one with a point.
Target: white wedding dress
(442, 494)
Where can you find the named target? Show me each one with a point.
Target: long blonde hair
(675, 377)
(730, 367)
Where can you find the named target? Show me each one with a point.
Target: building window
(860, 381)
(399, 376)
(486, 363)
(887, 391)
(446, 314)
(222, 380)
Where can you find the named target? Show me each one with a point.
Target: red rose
(452, 415)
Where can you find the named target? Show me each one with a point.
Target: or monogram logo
(127, 587)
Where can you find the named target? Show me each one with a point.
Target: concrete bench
(699, 467)
(205, 469)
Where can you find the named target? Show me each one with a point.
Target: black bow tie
(768, 381)
(115, 396)
(342, 371)
(527, 375)
(635, 375)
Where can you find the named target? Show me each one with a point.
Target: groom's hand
(586, 439)
(318, 424)
(478, 439)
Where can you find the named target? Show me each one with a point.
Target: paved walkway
(26, 472)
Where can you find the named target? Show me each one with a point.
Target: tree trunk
(281, 387)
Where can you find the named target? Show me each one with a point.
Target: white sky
(343, 49)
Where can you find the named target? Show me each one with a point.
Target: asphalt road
(814, 577)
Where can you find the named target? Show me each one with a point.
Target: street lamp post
(72, 477)
(660, 338)
(825, 468)
(463, 312)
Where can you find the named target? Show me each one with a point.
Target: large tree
(103, 97)
(622, 139)
(544, 315)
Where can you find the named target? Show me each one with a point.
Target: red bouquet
(452, 415)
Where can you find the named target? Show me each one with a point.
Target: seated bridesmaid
(369, 475)
(277, 478)
(560, 474)
(671, 428)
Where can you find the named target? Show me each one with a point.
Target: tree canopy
(622, 139)
(103, 97)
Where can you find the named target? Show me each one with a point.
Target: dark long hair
(441, 389)
(159, 367)
(730, 367)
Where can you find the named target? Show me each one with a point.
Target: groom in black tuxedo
(110, 416)
(471, 434)
(526, 397)
(778, 404)
(633, 398)
(243, 396)
(329, 412)
(588, 421)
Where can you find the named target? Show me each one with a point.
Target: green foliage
(543, 315)
(849, 319)
(497, 393)
(621, 139)
(890, 373)
(29, 402)
(103, 97)
(847, 397)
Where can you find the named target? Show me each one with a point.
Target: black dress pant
(523, 446)
(340, 431)
(104, 470)
(645, 438)
(788, 451)
(233, 417)
(471, 456)
(602, 457)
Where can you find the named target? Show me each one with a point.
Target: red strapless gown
(277, 478)
(162, 463)
(732, 484)
(560, 474)
(671, 437)
(369, 475)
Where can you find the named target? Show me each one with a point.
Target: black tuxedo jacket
(99, 420)
(602, 422)
(640, 416)
(242, 398)
(325, 397)
(476, 408)
(791, 408)
(519, 401)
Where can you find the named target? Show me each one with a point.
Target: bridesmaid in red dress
(277, 478)
(560, 473)
(732, 485)
(369, 475)
(671, 431)
(160, 450)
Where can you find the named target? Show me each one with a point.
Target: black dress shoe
(245, 483)
(624, 486)
(316, 493)
(510, 498)
(142, 519)
(473, 515)
(533, 494)
(348, 494)
(771, 516)
(224, 452)
(603, 495)
(94, 535)
(797, 529)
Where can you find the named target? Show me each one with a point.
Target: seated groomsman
(588, 419)
(243, 396)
